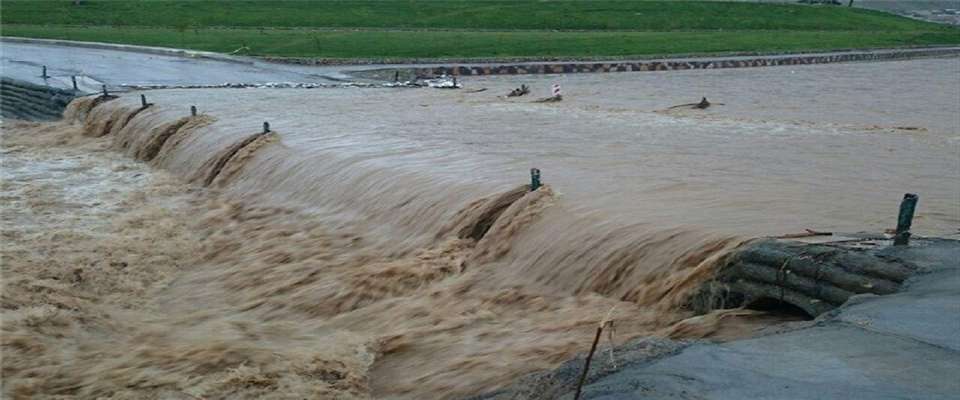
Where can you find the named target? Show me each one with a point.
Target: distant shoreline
(361, 32)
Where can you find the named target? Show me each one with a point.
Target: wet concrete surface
(113, 67)
(905, 345)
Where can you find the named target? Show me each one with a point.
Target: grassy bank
(433, 29)
(463, 14)
(431, 44)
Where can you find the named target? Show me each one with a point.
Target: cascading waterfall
(333, 271)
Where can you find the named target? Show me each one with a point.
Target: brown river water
(381, 242)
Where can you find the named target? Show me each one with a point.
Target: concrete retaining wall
(31, 102)
(681, 64)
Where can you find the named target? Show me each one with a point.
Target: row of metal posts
(904, 218)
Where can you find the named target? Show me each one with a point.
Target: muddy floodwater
(382, 242)
(824, 147)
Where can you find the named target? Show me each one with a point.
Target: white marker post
(556, 90)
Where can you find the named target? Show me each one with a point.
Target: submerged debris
(520, 91)
(278, 85)
(444, 82)
(702, 105)
(551, 99)
(807, 233)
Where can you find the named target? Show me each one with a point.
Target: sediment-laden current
(383, 242)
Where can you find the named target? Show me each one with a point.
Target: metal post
(266, 127)
(73, 78)
(905, 219)
(193, 111)
(105, 91)
(143, 101)
(534, 179)
(586, 365)
(396, 76)
(44, 73)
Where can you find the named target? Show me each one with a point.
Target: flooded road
(115, 67)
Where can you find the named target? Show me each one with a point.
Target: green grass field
(468, 29)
